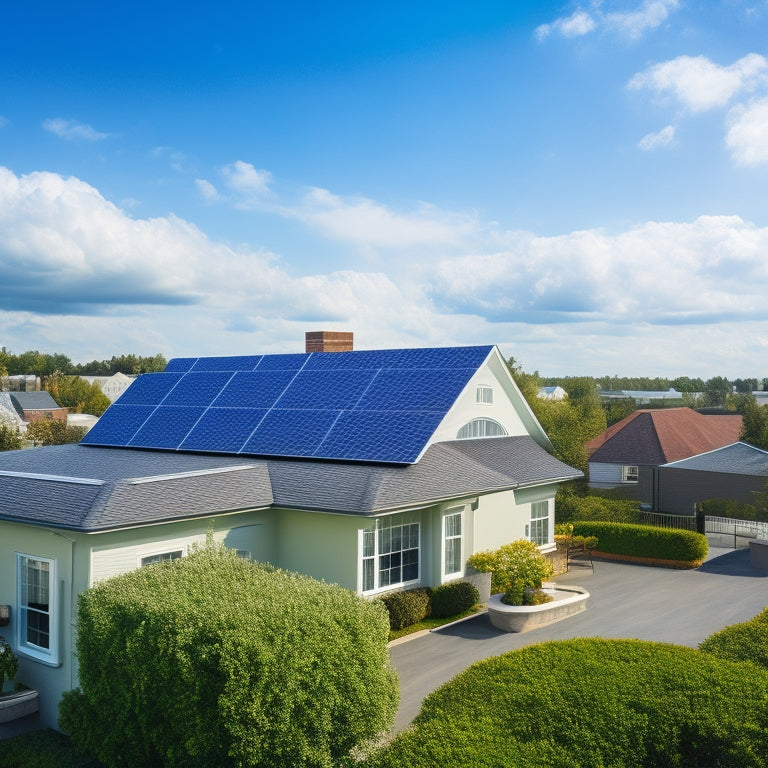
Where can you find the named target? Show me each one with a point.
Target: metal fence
(723, 531)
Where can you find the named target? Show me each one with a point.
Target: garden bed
(567, 601)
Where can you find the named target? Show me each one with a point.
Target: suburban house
(735, 472)
(377, 470)
(552, 393)
(37, 406)
(628, 454)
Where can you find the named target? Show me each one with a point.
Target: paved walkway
(626, 601)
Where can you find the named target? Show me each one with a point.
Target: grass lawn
(42, 749)
(431, 623)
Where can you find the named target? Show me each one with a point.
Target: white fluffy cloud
(662, 138)
(748, 133)
(700, 84)
(248, 183)
(79, 275)
(207, 191)
(71, 129)
(632, 24)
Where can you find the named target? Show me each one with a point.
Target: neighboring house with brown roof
(628, 454)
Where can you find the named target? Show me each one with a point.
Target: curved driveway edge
(627, 601)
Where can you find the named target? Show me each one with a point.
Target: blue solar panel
(389, 436)
(150, 389)
(198, 388)
(239, 363)
(382, 405)
(257, 389)
(288, 432)
(180, 364)
(326, 389)
(166, 427)
(123, 423)
(223, 430)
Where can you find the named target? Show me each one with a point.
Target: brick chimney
(328, 341)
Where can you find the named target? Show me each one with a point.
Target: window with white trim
(629, 474)
(390, 553)
(539, 530)
(161, 557)
(484, 395)
(480, 428)
(37, 629)
(453, 563)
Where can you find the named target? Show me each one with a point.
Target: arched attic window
(481, 428)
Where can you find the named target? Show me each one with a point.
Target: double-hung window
(37, 628)
(629, 474)
(452, 560)
(539, 530)
(390, 553)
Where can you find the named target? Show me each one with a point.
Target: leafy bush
(645, 541)
(454, 598)
(213, 660)
(571, 507)
(590, 703)
(43, 749)
(514, 567)
(747, 641)
(9, 664)
(406, 608)
(731, 508)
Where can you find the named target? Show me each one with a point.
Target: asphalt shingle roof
(735, 459)
(659, 436)
(88, 488)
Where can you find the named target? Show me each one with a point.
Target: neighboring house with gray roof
(38, 406)
(378, 471)
(734, 472)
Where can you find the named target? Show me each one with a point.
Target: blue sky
(583, 184)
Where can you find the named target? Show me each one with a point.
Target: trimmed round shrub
(645, 541)
(213, 660)
(591, 703)
(407, 608)
(454, 598)
(514, 567)
(746, 641)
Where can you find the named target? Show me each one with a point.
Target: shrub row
(411, 607)
(589, 703)
(747, 641)
(645, 541)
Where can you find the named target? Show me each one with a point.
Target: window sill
(43, 658)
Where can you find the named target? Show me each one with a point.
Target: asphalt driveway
(626, 601)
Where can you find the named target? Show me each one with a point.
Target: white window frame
(162, 557)
(484, 395)
(374, 554)
(630, 473)
(47, 655)
(477, 428)
(539, 520)
(452, 514)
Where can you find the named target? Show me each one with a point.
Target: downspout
(72, 606)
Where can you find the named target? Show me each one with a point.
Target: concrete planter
(758, 553)
(19, 704)
(520, 618)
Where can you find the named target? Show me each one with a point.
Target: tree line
(44, 365)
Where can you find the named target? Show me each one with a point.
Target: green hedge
(407, 608)
(645, 540)
(591, 703)
(747, 641)
(569, 507)
(213, 660)
(453, 599)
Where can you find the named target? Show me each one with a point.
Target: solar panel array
(380, 406)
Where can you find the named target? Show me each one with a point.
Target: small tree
(54, 432)
(213, 660)
(10, 438)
